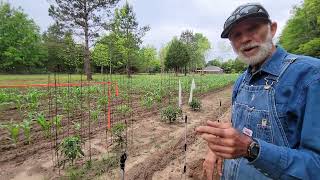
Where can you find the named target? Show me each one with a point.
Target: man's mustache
(249, 46)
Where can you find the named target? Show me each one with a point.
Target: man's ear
(274, 26)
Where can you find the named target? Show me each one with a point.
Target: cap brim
(226, 31)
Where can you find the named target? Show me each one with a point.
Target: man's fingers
(208, 169)
(209, 175)
(219, 124)
(219, 166)
(221, 149)
(211, 130)
(224, 155)
(217, 140)
(211, 139)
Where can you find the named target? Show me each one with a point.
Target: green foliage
(70, 150)
(195, 104)
(4, 97)
(197, 45)
(302, 31)
(85, 17)
(111, 161)
(148, 61)
(127, 35)
(93, 169)
(71, 54)
(118, 131)
(147, 100)
(20, 42)
(68, 104)
(162, 55)
(64, 55)
(76, 126)
(170, 113)
(230, 66)
(19, 100)
(123, 109)
(57, 122)
(100, 55)
(32, 99)
(311, 48)
(95, 115)
(215, 62)
(26, 126)
(13, 129)
(103, 101)
(177, 56)
(45, 125)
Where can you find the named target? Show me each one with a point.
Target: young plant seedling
(124, 110)
(57, 122)
(195, 104)
(170, 113)
(118, 131)
(45, 125)
(13, 129)
(26, 126)
(70, 150)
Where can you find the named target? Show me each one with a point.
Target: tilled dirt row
(157, 145)
(194, 160)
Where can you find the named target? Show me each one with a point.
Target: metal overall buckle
(267, 86)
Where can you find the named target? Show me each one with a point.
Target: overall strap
(270, 80)
(243, 78)
(289, 59)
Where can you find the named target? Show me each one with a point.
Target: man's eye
(253, 28)
(236, 35)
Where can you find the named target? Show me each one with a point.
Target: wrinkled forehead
(248, 24)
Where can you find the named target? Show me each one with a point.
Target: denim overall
(254, 108)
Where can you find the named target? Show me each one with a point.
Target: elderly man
(275, 131)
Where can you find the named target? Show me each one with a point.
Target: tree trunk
(185, 70)
(101, 69)
(87, 64)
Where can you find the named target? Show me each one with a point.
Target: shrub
(195, 104)
(70, 149)
(118, 131)
(170, 113)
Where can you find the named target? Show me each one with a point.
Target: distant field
(139, 81)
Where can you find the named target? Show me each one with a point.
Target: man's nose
(245, 39)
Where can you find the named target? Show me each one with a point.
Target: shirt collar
(273, 64)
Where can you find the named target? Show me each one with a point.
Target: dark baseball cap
(246, 11)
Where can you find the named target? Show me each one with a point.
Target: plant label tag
(247, 131)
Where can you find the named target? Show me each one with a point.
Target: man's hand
(210, 162)
(224, 140)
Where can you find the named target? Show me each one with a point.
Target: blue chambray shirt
(298, 107)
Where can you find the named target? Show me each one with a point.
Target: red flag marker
(117, 89)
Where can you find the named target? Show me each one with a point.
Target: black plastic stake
(123, 159)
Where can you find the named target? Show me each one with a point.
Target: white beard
(264, 51)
